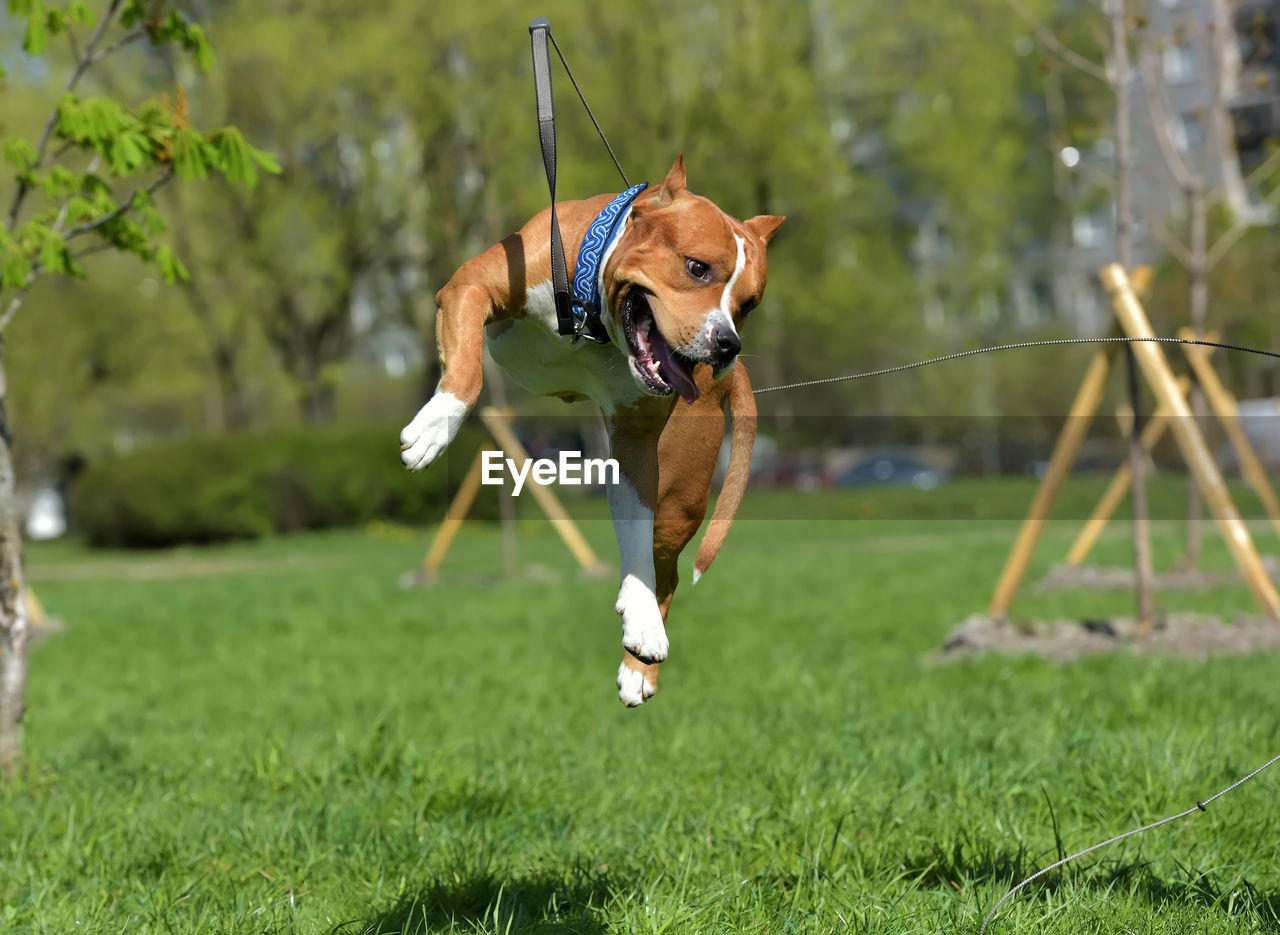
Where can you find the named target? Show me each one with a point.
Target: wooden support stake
(498, 423)
(1082, 412)
(1228, 413)
(1152, 432)
(454, 516)
(1141, 280)
(1155, 367)
(36, 614)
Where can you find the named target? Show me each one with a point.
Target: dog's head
(681, 280)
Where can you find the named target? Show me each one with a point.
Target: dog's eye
(697, 269)
(746, 307)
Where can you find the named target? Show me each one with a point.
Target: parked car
(891, 470)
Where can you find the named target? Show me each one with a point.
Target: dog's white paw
(643, 634)
(633, 687)
(435, 425)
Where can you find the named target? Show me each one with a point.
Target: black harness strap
(539, 29)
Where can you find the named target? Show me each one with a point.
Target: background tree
(86, 185)
(914, 147)
(1209, 178)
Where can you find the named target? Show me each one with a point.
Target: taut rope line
(1056, 342)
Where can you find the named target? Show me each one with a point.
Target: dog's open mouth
(660, 369)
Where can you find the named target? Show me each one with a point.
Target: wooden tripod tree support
(1228, 413)
(498, 422)
(1133, 323)
(1152, 432)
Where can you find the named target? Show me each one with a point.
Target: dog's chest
(544, 362)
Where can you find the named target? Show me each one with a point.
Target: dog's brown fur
(667, 450)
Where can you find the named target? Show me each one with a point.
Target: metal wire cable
(1198, 807)
(1008, 347)
(626, 181)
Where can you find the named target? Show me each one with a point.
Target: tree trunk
(13, 612)
(1121, 75)
(318, 402)
(236, 414)
(1199, 320)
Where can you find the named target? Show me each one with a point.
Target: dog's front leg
(460, 322)
(631, 503)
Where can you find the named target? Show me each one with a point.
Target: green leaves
(44, 23)
(36, 37)
(15, 266)
(153, 136)
(52, 250)
(240, 161)
(19, 153)
(130, 150)
(175, 28)
(171, 267)
(192, 155)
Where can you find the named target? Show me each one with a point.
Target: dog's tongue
(671, 369)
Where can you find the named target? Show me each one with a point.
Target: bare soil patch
(1118, 578)
(1183, 635)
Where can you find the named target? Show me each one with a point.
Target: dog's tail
(742, 408)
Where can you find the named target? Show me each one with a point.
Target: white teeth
(653, 368)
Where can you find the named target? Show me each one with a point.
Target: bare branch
(124, 208)
(16, 302)
(120, 43)
(1237, 230)
(1158, 109)
(36, 268)
(82, 65)
(75, 44)
(62, 212)
(1055, 45)
(1172, 244)
(1263, 169)
(93, 248)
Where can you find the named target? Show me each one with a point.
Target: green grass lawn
(277, 738)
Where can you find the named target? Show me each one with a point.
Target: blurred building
(1206, 94)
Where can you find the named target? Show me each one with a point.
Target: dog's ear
(674, 183)
(764, 226)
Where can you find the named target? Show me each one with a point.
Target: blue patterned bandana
(586, 274)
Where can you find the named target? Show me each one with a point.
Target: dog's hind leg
(463, 313)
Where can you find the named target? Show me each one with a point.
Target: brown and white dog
(676, 284)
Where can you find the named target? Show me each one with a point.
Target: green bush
(218, 488)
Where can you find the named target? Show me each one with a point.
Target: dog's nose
(724, 346)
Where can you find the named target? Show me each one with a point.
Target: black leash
(539, 32)
(1008, 347)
